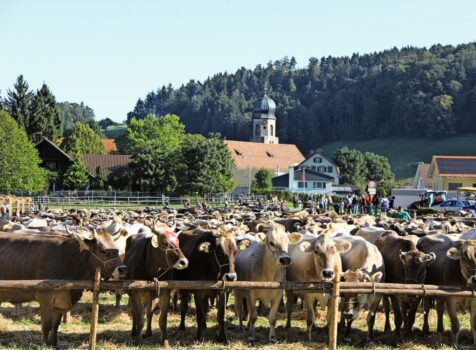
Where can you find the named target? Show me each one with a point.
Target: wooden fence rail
(336, 289)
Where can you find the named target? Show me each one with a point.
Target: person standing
(375, 204)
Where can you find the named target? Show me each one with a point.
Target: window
(454, 186)
(51, 165)
(300, 184)
(317, 184)
(330, 169)
(271, 130)
(317, 159)
(474, 185)
(313, 167)
(321, 169)
(257, 129)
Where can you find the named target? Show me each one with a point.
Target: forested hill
(410, 92)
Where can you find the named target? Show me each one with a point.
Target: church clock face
(263, 123)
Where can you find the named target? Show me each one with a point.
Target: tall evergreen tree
(45, 118)
(18, 103)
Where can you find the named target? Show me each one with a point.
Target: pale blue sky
(110, 53)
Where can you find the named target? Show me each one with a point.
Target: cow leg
(252, 317)
(289, 308)
(371, 319)
(55, 323)
(440, 310)
(239, 310)
(221, 317)
(426, 313)
(184, 300)
(118, 300)
(451, 307)
(473, 321)
(411, 313)
(175, 295)
(201, 303)
(137, 312)
(67, 317)
(46, 321)
(164, 309)
(272, 315)
(310, 314)
(397, 314)
(152, 303)
(386, 307)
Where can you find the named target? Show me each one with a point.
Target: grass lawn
(405, 153)
(22, 331)
(114, 131)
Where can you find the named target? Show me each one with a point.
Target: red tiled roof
(108, 162)
(109, 145)
(261, 155)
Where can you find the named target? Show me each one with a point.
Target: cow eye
(272, 244)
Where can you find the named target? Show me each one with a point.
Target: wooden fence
(336, 289)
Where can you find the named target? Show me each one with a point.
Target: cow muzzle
(472, 280)
(231, 277)
(327, 274)
(284, 260)
(181, 264)
(119, 272)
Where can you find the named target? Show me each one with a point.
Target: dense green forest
(411, 92)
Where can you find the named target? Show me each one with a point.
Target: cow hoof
(222, 339)
(370, 343)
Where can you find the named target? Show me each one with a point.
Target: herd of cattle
(239, 244)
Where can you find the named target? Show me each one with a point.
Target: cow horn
(172, 229)
(68, 231)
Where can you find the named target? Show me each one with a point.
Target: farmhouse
(450, 172)
(422, 180)
(314, 175)
(263, 150)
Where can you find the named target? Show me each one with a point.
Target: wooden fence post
(334, 310)
(95, 309)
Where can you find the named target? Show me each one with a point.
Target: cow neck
(272, 271)
(86, 270)
(156, 261)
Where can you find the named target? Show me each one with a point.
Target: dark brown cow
(212, 257)
(403, 263)
(55, 256)
(455, 265)
(149, 258)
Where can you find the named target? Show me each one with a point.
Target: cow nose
(122, 270)
(230, 276)
(327, 273)
(181, 264)
(285, 260)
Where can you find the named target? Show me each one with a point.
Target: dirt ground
(22, 331)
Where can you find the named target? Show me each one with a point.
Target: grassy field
(405, 153)
(114, 131)
(22, 331)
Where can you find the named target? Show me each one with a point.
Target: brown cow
(403, 263)
(55, 256)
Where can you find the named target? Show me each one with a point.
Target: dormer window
(238, 153)
(269, 154)
(317, 160)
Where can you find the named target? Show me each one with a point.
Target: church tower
(264, 121)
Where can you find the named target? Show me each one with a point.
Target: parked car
(453, 205)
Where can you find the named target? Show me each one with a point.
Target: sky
(110, 53)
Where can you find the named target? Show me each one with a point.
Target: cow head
(326, 254)
(103, 252)
(277, 243)
(466, 254)
(353, 302)
(168, 252)
(415, 264)
(224, 249)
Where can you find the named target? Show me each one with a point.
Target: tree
(19, 161)
(18, 103)
(378, 169)
(155, 145)
(83, 140)
(206, 166)
(76, 177)
(98, 181)
(263, 180)
(72, 113)
(45, 118)
(106, 122)
(351, 163)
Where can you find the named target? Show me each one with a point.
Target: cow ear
(343, 247)
(453, 253)
(155, 241)
(376, 277)
(204, 247)
(430, 257)
(402, 255)
(294, 237)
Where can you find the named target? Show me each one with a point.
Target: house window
(454, 186)
(300, 184)
(51, 165)
(271, 130)
(474, 185)
(317, 159)
(317, 184)
(313, 167)
(330, 169)
(321, 169)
